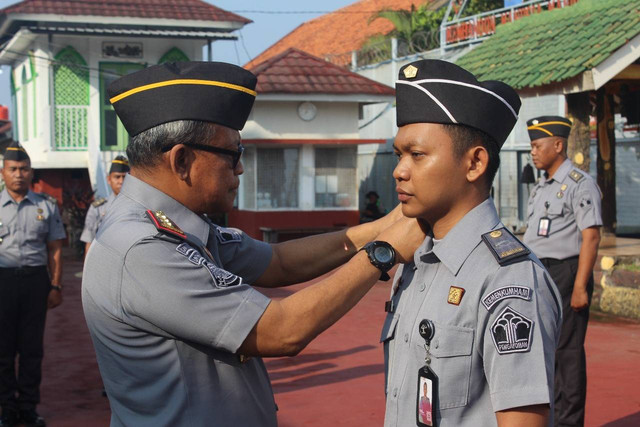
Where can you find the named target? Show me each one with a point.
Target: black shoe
(9, 418)
(30, 418)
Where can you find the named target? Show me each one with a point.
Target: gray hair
(144, 149)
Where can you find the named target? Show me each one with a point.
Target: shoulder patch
(511, 332)
(165, 225)
(575, 175)
(504, 246)
(221, 278)
(228, 235)
(49, 197)
(99, 202)
(505, 292)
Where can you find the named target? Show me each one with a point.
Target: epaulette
(49, 197)
(575, 175)
(165, 225)
(504, 246)
(99, 202)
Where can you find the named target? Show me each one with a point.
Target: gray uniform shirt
(571, 200)
(166, 319)
(94, 218)
(493, 351)
(25, 229)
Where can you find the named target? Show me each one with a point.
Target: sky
(272, 20)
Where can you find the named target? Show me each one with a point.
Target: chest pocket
(555, 209)
(451, 349)
(40, 227)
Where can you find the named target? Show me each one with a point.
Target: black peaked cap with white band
(214, 92)
(16, 152)
(546, 126)
(434, 91)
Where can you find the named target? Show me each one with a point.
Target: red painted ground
(337, 381)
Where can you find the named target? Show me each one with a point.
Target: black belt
(549, 262)
(22, 271)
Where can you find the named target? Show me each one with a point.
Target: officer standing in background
(31, 235)
(474, 315)
(178, 328)
(563, 230)
(117, 172)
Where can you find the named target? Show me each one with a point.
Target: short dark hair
(145, 149)
(465, 137)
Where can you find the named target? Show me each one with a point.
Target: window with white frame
(335, 179)
(277, 177)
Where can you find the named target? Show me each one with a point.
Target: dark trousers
(571, 364)
(23, 310)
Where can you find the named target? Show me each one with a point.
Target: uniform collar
(463, 238)
(6, 198)
(562, 171)
(155, 200)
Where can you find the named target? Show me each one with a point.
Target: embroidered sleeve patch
(228, 235)
(575, 175)
(511, 332)
(221, 278)
(504, 246)
(498, 295)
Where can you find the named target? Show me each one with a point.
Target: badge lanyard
(544, 226)
(427, 396)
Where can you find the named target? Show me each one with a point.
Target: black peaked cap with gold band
(119, 164)
(546, 126)
(206, 91)
(434, 91)
(16, 152)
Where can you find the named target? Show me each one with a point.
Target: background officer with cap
(474, 315)
(117, 172)
(563, 230)
(177, 327)
(31, 234)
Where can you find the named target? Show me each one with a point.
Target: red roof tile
(294, 71)
(150, 9)
(339, 32)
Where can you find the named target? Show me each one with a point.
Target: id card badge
(427, 397)
(544, 226)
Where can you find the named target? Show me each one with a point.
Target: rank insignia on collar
(99, 202)
(455, 295)
(563, 187)
(504, 246)
(575, 175)
(165, 225)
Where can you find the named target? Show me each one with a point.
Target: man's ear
(559, 145)
(478, 162)
(180, 161)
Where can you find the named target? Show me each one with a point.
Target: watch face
(383, 254)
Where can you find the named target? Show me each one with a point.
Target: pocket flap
(389, 327)
(452, 341)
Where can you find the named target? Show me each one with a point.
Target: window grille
(277, 178)
(71, 94)
(335, 180)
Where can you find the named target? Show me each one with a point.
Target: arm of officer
(525, 416)
(299, 260)
(586, 260)
(288, 325)
(54, 250)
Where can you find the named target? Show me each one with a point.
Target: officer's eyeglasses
(235, 155)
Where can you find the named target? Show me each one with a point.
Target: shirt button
(422, 287)
(436, 344)
(406, 337)
(395, 392)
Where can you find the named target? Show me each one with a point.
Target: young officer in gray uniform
(31, 234)
(177, 327)
(474, 315)
(563, 230)
(117, 172)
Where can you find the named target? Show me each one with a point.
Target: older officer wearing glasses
(177, 327)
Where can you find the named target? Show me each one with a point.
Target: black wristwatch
(382, 256)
